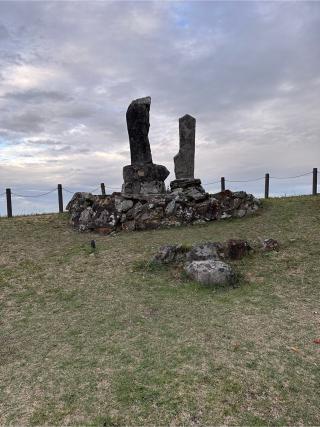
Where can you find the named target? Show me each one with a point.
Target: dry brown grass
(91, 339)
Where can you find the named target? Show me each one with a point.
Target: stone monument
(184, 160)
(144, 202)
(142, 176)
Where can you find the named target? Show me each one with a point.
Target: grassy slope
(93, 340)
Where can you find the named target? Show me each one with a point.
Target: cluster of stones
(116, 212)
(206, 262)
(144, 202)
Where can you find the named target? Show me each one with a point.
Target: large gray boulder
(211, 272)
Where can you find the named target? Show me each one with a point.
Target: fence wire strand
(245, 180)
(34, 195)
(212, 183)
(68, 190)
(291, 177)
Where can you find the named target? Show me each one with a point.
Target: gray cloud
(248, 71)
(24, 123)
(38, 96)
(4, 34)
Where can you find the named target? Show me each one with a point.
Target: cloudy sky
(249, 72)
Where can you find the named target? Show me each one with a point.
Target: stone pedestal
(184, 183)
(147, 178)
(188, 187)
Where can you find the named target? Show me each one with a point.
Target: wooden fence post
(314, 181)
(103, 189)
(266, 186)
(223, 184)
(60, 198)
(9, 203)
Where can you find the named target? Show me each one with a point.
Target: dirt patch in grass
(99, 339)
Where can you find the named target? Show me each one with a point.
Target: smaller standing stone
(184, 160)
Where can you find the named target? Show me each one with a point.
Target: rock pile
(206, 262)
(181, 206)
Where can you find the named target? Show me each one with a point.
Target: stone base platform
(184, 183)
(116, 212)
(147, 178)
(189, 187)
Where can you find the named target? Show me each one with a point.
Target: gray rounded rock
(204, 251)
(210, 272)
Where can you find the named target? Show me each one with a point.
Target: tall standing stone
(184, 160)
(138, 129)
(142, 176)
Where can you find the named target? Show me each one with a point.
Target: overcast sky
(249, 72)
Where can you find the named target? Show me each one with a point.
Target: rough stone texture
(184, 160)
(122, 205)
(142, 176)
(205, 262)
(211, 272)
(204, 251)
(231, 249)
(236, 249)
(190, 188)
(140, 212)
(270, 245)
(184, 183)
(138, 129)
(170, 254)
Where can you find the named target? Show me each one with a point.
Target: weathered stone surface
(188, 189)
(184, 183)
(232, 249)
(138, 129)
(211, 272)
(170, 254)
(123, 205)
(236, 249)
(204, 251)
(142, 176)
(146, 172)
(270, 245)
(144, 179)
(170, 208)
(139, 212)
(184, 160)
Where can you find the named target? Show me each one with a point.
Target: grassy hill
(93, 339)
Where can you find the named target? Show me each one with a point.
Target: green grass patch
(108, 338)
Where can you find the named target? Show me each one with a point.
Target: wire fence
(10, 194)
